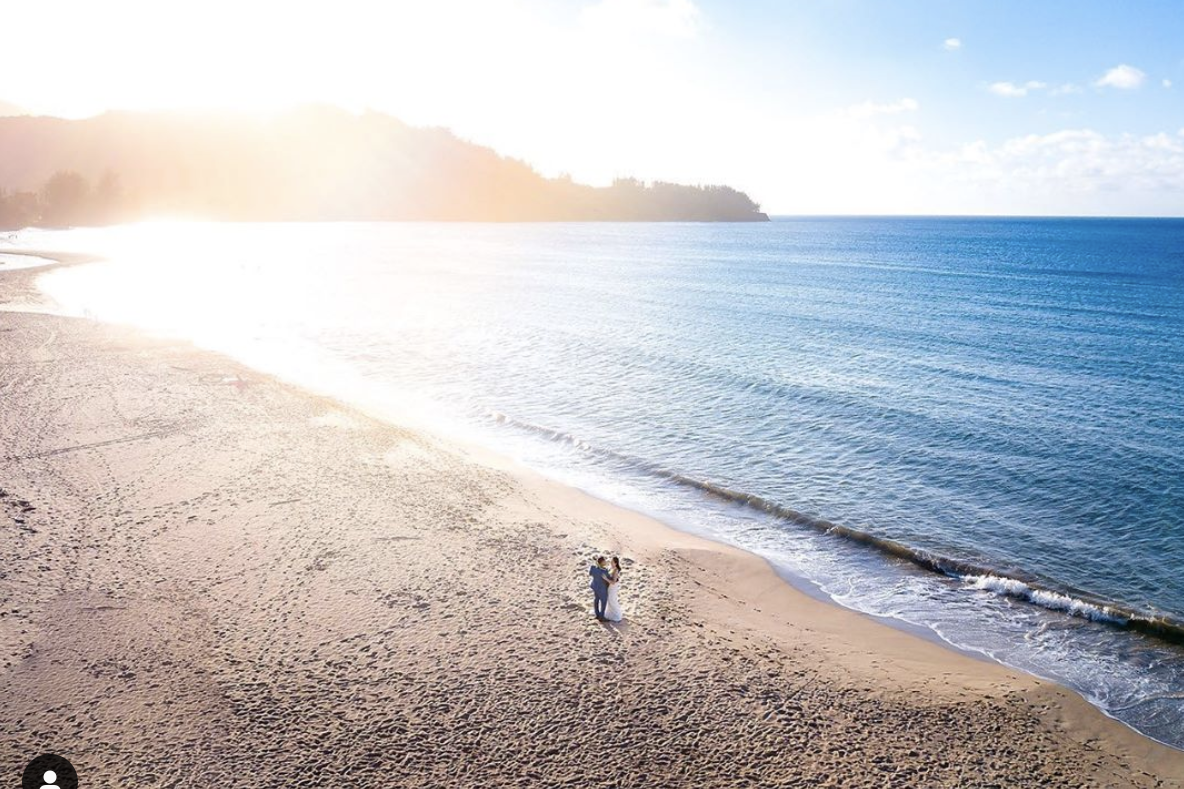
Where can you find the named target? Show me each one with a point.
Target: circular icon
(49, 771)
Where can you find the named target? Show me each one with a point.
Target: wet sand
(210, 578)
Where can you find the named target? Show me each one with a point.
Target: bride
(612, 609)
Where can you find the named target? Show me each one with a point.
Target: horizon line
(775, 215)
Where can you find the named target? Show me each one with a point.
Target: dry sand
(211, 579)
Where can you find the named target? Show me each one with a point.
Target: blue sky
(859, 48)
(1017, 104)
(812, 106)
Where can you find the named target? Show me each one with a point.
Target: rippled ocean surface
(975, 426)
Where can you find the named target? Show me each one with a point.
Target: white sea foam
(1054, 601)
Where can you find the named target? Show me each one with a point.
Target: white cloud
(1167, 83)
(674, 18)
(857, 160)
(951, 44)
(1074, 162)
(1013, 90)
(870, 109)
(1122, 76)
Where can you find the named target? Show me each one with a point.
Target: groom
(599, 575)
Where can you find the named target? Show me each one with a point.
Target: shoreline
(727, 608)
(796, 584)
(1013, 583)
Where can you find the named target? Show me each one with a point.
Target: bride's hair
(617, 562)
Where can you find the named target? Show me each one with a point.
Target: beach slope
(209, 578)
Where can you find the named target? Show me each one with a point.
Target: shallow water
(13, 262)
(990, 407)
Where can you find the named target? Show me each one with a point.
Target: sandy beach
(210, 578)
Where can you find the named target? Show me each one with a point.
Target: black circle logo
(49, 771)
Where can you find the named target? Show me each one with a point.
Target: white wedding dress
(612, 608)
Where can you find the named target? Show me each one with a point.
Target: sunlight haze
(849, 106)
(622, 394)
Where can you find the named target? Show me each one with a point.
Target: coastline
(175, 586)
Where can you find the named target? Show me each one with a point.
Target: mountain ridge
(308, 164)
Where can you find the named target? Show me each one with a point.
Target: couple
(605, 584)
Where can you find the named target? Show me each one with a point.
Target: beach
(212, 578)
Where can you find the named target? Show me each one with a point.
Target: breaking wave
(975, 576)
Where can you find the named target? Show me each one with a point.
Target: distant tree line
(67, 199)
(308, 164)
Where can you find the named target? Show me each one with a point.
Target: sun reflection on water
(263, 294)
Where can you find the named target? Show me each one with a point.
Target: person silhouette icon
(49, 771)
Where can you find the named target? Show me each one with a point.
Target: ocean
(970, 427)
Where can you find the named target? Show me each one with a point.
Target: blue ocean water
(975, 426)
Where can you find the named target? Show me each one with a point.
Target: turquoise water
(974, 426)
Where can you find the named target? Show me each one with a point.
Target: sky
(811, 106)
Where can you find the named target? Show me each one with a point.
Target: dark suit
(599, 588)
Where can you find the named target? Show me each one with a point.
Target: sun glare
(259, 56)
